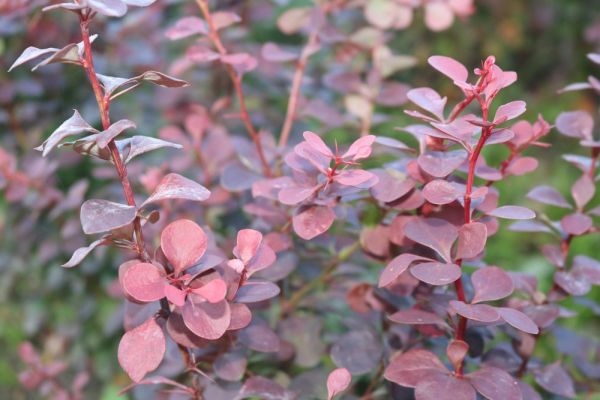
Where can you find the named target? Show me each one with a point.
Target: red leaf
(491, 283)
(436, 273)
(248, 241)
(434, 233)
(471, 240)
(409, 368)
(142, 349)
(337, 381)
(205, 319)
(495, 384)
(391, 185)
(174, 186)
(144, 282)
(311, 221)
(214, 291)
(183, 242)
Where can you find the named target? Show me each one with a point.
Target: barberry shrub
(231, 312)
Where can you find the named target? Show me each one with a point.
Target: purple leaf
(391, 185)
(106, 136)
(495, 384)
(143, 144)
(311, 221)
(83, 252)
(183, 242)
(205, 319)
(160, 79)
(588, 267)
(441, 386)
(295, 194)
(509, 111)
(574, 284)
(142, 349)
(441, 192)
(353, 177)
(556, 380)
(361, 148)
(491, 283)
(414, 316)
(548, 195)
(144, 282)
(264, 257)
(260, 338)
(529, 226)
(512, 212)
(240, 316)
(230, 366)
(397, 266)
(477, 312)
(577, 124)
(71, 127)
(337, 381)
(583, 190)
(576, 224)
(111, 8)
(102, 215)
(429, 100)
(434, 233)
(471, 240)
(359, 351)
(255, 291)
(29, 54)
(519, 320)
(263, 388)
(440, 164)
(187, 26)
(174, 186)
(274, 53)
(449, 67)
(304, 334)
(436, 273)
(409, 368)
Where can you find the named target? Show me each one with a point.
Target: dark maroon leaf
(441, 386)
(556, 380)
(477, 312)
(358, 351)
(230, 366)
(495, 384)
(440, 164)
(548, 195)
(71, 127)
(441, 192)
(409, 368)
(205, 319)
(397, 266)
(517, 319)
(337, 381)
(180, 333)
(174, 186)
(255, 291)
(491, 283)
(512, 212)
(160, 79)
(102, 216)
(433, 233)
(311, 221)
(260, 338)
(183, 242)
(417, 317)
(436, 273)
(142, 349)
(263, 388)
(471, 240)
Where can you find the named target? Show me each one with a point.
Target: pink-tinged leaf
(183, 242)
(144, 282)
(102, 216)
(201, 54)
(588, 267)
(174, 186)
(311, 221)
(294, 19)
(259, 337)
(436, 273)
(500, 136)
(449, 67)
(214, 291)
(554, 255)
(28, 354)
(106, 136)
(555, 380)
(583, 190)
(440, 164)
(575, 284)
(457, 351)
(255, 291)
(111, 8)
(142, 349)
(594, 57)
(495, 384)
(180, 333)
(353, 177)
(361, 148)
(471, 240)
(175, 295)
(415, 316)
(263, 388)
(529, 226)
(522, 165)
(409, 368)
(223, 19)
(236, 265)
(458, 130)
(397, 266)
(512, 212)
(83, 252)
(317, 144)
(293, 195)
(434, 233)
(71, 127)
(230, 366)
(519, 320)
(248, 241)
(441, 386)
(205, 319)
(240, 316)
(264, 257)
(429, 100)
(186, 27)
(391, 185)
(509, 111)
(441, 192)
(274, 53)
(491, 283)
(393, 143)
(29, 54)
(160, 79)
(543, 315)
(576, 224)
(143, 144)
(477, 312)
(548, 195)
(337, 381)
(304, 334)
(577, 124)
